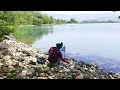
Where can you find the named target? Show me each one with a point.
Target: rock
(4, 77)
(11, 68)
(1, 78)
(21, 64)
(52, 69)
(29, 75)
(42, 74)
(39, 69)
(67, 70)
(85, 67)
(6, 57)
(97, 77)
(9, 37)
(44, 65)
(72, 76)
(1, 74)
(92, 70)
(40, 78)
(45, 78)
(81, 69)
(41, 60)
(4, 68)
(111, 77)
(8, 74)
(29, 72)
(28, 51)
(33, 60)
(115, 75)
(34, 77)
(6, 71)
(61, 71)
(24, 72)
(50, 77)
(102, 76)
(21, 76)
(86, 76)
(4, 52)
(1, 64)
(15, 64)
(8, 62)
(79, 76)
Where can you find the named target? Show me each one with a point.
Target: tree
(37, 21)
(7, 23)
(72, 20)
(52, 20)
(37, 14)
(45, 19)
(119, 17)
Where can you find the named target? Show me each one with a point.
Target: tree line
(96, 21)
(10, 20)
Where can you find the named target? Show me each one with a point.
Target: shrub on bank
(6, 29)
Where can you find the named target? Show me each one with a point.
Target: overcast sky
(84, 15)
(79, 12)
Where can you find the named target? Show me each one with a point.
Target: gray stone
(79, 76)
(86, 76)
(34, 77)
(50, 77)
(15, 64)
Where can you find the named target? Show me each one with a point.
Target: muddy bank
(21, 61)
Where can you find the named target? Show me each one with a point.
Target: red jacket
(54, 55)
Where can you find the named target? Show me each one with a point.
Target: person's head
(59, 45)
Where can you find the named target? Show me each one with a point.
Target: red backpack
(53, 55)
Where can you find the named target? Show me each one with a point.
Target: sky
(79, 12)
(84, 15)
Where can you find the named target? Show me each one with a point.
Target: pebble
(79, 76)
(50, 77)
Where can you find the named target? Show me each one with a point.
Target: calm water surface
(88, 42)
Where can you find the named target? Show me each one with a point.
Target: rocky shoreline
(21, 61)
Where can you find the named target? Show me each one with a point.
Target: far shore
(65, 23)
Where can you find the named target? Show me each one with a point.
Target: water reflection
(30, 34)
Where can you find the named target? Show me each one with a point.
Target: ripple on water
(104, 63)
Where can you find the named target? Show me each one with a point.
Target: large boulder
(33, 60)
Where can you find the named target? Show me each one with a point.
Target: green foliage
(13, 75)
(37, 14)
(23, 17)
(37, 21)
(60, 21)
(7, 23)
(72, 20)
(45, 19)
(52, 20)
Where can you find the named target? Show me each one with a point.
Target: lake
(98, 42)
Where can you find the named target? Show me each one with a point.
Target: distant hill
(97, 21)
(81, 17)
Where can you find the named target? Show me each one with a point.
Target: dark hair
(59, 45)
